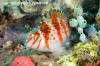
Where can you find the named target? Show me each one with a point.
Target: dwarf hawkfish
(54, 31)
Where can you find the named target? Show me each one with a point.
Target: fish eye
(37, 38)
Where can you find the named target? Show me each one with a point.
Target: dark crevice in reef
(90, 7)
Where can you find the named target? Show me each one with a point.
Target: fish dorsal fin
(53, 13)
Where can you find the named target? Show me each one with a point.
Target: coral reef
(90, 10)
(8, 44)
(91, 30)
(48, 30)
(39, 58)
(4, 22)
(83, 53)
(24, 52)
(98, 18)
(72, 3)
(79, 23)
(47, 63)
(98, 15)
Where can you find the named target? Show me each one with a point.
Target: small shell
(39, 58)
(18, 48)
(8, 44)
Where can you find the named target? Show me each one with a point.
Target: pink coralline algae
(98, 62)
(22, 61)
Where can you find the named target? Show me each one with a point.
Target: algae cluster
(83, 53)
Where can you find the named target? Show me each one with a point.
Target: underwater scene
(49, 32)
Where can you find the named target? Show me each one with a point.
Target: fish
(54, 31)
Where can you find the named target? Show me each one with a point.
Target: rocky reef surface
(17, 19)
